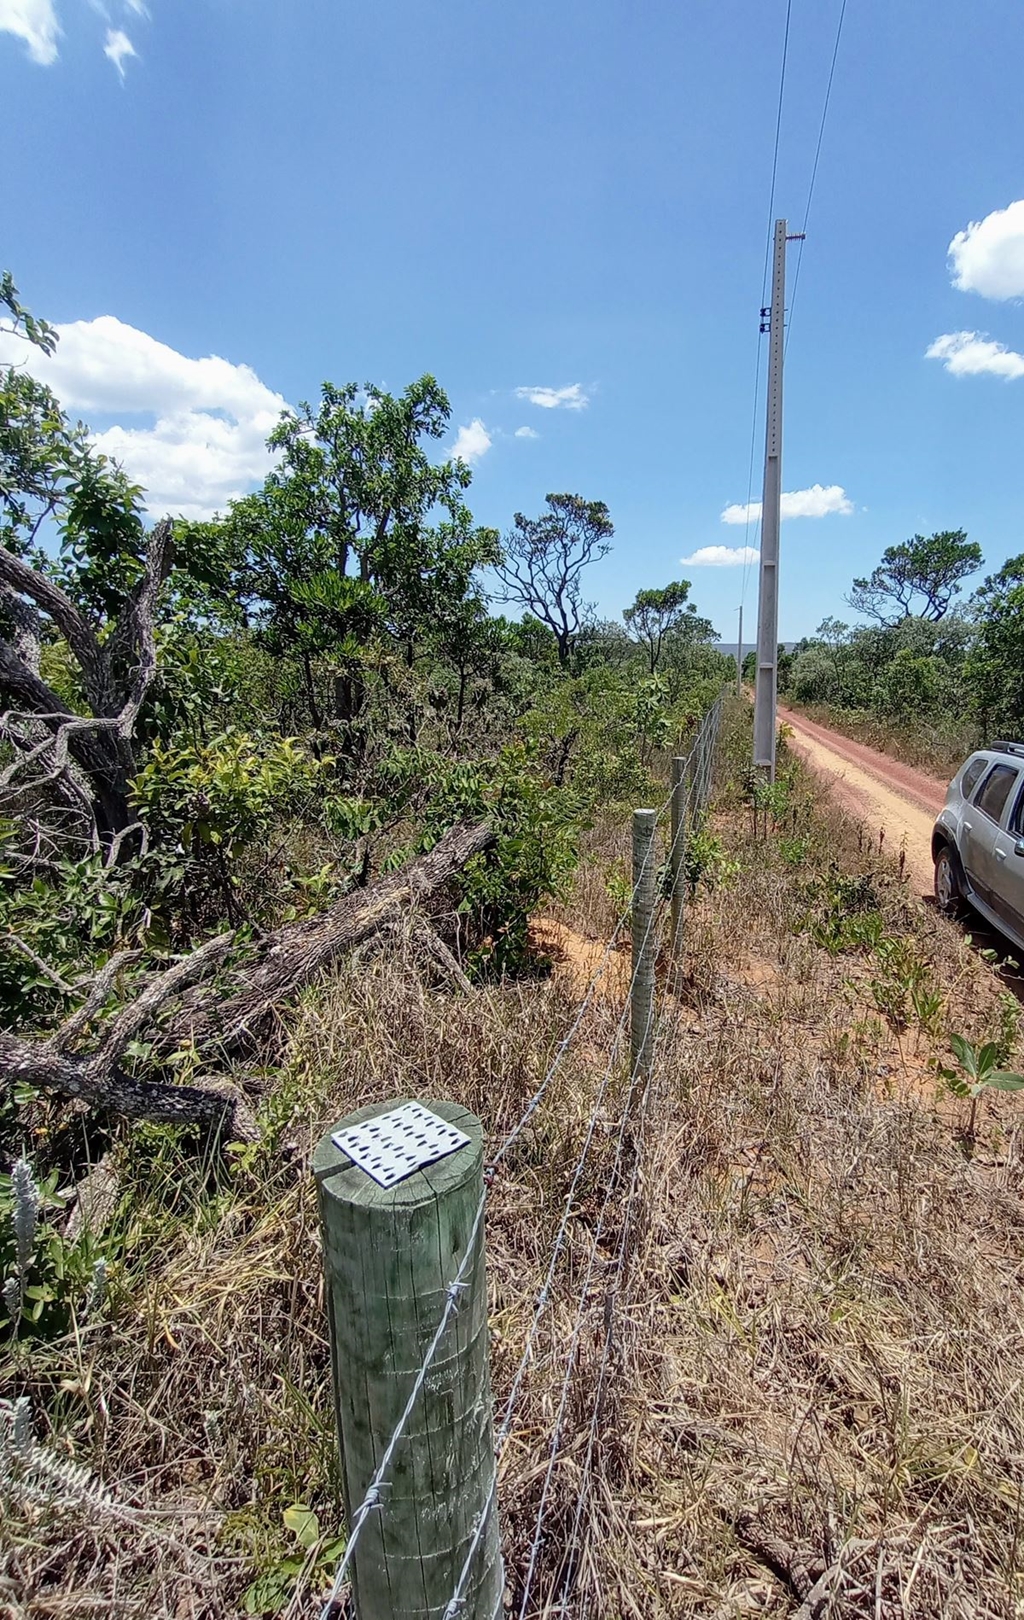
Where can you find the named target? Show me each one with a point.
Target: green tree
(542, 563)
(654, 614)
(358, 536)
(994, 669)
(931, 567)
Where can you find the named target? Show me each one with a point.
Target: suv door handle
(966, 825)
(1000, 854)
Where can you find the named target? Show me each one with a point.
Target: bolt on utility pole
(773, 321)
(739, 657)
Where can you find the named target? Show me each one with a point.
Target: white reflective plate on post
(393, 1146)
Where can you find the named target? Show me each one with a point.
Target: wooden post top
(342, 1180)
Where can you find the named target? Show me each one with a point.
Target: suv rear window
(996, 790)
(971, 777)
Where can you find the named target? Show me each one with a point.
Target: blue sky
(563, 196)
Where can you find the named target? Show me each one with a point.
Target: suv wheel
(949, 894)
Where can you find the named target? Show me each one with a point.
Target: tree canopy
(543, 559)
(920, 576)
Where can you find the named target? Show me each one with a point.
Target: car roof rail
(1001, 746)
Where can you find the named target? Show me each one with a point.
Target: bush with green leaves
(538, 826)
(59, 925)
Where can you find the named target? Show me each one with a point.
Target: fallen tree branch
(38, 1064)
(286, 961)
(293, 956)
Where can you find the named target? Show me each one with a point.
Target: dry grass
(816, 1351)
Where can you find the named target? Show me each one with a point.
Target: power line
(764, 289)
(814, 166)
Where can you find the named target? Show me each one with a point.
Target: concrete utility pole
(739, 657)
(765, 693)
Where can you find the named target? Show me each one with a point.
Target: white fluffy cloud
(204, 441)
(472, 442)
(988, 257)
(969, 354)
(721, 557)
(570, 398)
(821, 500)
(527, 433)
(34, 21)
(118, 48)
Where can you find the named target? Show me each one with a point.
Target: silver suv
(978, 840)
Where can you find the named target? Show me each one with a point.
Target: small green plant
(841, 913)
(901, 974)
(618, 886)
(1009, 1025)
(978, 1070)
(312, 1554)
(928, 1004)
(793, 851)
(706, 862)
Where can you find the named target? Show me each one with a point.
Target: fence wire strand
(700, 752)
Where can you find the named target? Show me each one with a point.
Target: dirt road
(879, 791)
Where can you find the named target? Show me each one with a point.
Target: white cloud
(721, 557)
(821, 500)
(472, 442)
(34, 21)
(527, 433)
(118, 48)
(205, 442)
(571, 398)
(968, 354)
(137, 7)
(988, 257)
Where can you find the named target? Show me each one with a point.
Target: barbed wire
(570, 1359)
(614, 1294)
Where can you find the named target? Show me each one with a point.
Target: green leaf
(965, 1053)
(303, 1524)
(1004, 1081)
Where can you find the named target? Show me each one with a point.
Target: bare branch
(30, 582)
(98, 991)
(162, 988)
(44, 967)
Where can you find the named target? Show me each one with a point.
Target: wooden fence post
(641, 1000)
(677, 852)
(391, 1255)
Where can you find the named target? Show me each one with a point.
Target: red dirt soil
(880, 791)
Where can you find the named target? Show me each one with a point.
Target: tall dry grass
(797, 1364)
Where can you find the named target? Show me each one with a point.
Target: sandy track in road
(877, 790)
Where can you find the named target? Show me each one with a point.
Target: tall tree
(543, 559)
(357, 534)
(931, 567)
(655, 613)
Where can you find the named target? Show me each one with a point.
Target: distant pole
(677, 853)
(739, 657)
(390, 1257)
(766, 688)
(641, 999)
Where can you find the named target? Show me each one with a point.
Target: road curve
(876, 789)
